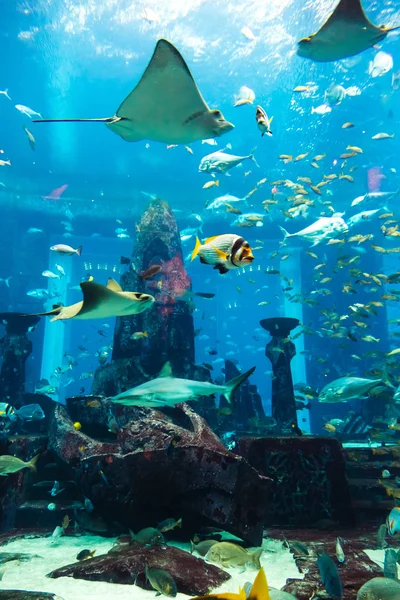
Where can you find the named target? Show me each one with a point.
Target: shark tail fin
(252, 157)
(286, 234)
(234, 383)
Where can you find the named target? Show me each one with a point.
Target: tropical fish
(382, 64)
(167, 390)
(390, 564)
(263, 123)
(347, 388)
(339, 550)
(85, 554)
(393, 521)
(12, 464)
(149, 536)
(382, 136)
(330, 576)
(169, 525)
(202, 547)
(30, 137)
(221, 162)
(65, 249)
(162, 581)
(150, 272)
(228, 554)
(224, 252)
(379, 588)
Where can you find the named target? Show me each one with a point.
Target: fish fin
(220, 253)
(166, 371)
(234, 383)
(113, 285)
(79, 250)
(285, 233)
(56, 310)
(196, 249)
(259, 589)
(203, 260)
(251, 156)
(270, 120)
(210, 239)
(179, 523)
(255, 557)
(217, 182)
(192, 547)
(222, 269)
(158, 593)
(32, 463)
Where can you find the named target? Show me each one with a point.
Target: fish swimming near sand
(379, 588)
(258, 591)
(165, 106)
(12, 464)
(346, 32)
(202, 547)
(162, 581)
(101, 302)
(167, 390)
(221, 162)
(330, 576)
(149, 536)
(228, 554)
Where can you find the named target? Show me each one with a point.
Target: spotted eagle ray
(166, 390)
(165, 106)
(100, 302)
(347, 32)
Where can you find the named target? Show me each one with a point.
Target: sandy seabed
(276, 560)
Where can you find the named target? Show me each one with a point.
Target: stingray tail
(57, 308)
(252, 157)
(103, 120)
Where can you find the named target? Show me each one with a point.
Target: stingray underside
(164, 101)
(346, 32)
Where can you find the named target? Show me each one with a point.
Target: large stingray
(165, 106)
(100, 302)
(347, 32)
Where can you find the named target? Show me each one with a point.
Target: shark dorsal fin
(166, 371)
(113, 285)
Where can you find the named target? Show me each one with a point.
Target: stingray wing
(347, 32)
(100, 301)
(164, 100)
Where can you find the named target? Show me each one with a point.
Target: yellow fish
(259, 591)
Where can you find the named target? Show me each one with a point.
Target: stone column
(280, 350)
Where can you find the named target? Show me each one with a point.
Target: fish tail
(145, 334)
(92, 553)
(234, 383)
(179, 523)
(217, 182)
(79, 250)
(196, 248)
(255, 557)
(285, 233)
(192, 547)
(259, 588)
(32, 463)
(7, 281)
(252, 157)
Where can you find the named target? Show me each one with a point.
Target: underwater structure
(280, 350)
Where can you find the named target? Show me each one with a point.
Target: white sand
(277, 561)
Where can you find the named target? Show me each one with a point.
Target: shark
(166, 390)
(345, 33)
(100, 302)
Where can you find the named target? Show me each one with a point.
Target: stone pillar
(280, 350)
(15, 348)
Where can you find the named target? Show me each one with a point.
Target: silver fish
(221, 162)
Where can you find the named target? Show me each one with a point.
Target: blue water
(72, 59)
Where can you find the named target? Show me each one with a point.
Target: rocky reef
(169, 323)
(159, 462)
(193, 576)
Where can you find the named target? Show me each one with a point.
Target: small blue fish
(56, 489)
(89, 504)
(330, 576)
